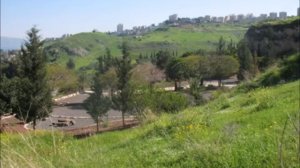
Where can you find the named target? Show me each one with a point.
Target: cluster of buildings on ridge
(174, 20)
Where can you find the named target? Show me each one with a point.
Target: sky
(57, 17)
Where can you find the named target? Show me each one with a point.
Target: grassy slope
(95, 43)
(183, 39)
(187, 38)
(235, 130)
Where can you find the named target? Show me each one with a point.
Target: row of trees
(113, 75)
(201, 67)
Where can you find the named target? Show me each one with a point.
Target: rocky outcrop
(274, 39)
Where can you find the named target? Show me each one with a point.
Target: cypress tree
(221, 46)
(33, 95)
(247, 67)
(123, 99)
(97, 105)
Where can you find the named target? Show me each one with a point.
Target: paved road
(73, 109)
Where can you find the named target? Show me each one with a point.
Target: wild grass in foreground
(258, 128)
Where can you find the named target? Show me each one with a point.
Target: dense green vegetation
(253, 125)
(277, 21)
(86, 47)
(29, 96)
(237, 129)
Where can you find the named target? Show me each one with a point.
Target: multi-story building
(240, 17)
(226, 19)
(273, 15)
(207, 18)
(282, 15)
(232, 18)
(120, 28)
(173, 18)
(214, 19)
(263, 16)
(220, 19)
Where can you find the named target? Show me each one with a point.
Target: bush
(248, 86)
(158, 101)
(291, 68)
(270, 78)
(68, 88)
(170, 102)
(288, 70)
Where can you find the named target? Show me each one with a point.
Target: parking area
(72, 109)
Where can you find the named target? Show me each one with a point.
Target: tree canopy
(33, 94)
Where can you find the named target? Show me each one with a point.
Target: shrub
(291, 68)
(270, 78)
(68, 88)
(247, 86)
(170, 102)
(158, 101)
(288, 70)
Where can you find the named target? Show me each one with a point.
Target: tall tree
(176, 71)
(221, 46)
(33, 97)
(97, 105)
(162, 59)
(231, 48)
(105, 62)
(122, 99)
(247, 65)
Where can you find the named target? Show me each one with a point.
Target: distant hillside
(9, 43)
(85, 47)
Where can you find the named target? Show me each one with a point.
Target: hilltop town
(174, 20)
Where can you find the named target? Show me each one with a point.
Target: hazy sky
(57, 17)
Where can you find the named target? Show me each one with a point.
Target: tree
(61, 79)
(8, 88)
(70, 64)
(197, 67)
(162, 59)
(105, 62)
(223, 67)
(221, 46)
(33, 95)
(110, 81)
(81, 81)
(122, 100)
(97, 105)
(247, 66)
(176, 71)
(231, 48)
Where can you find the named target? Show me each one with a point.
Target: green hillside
(85, 47)
(91, 46)
(237, 129)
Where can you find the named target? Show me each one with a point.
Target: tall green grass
(237, 129)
